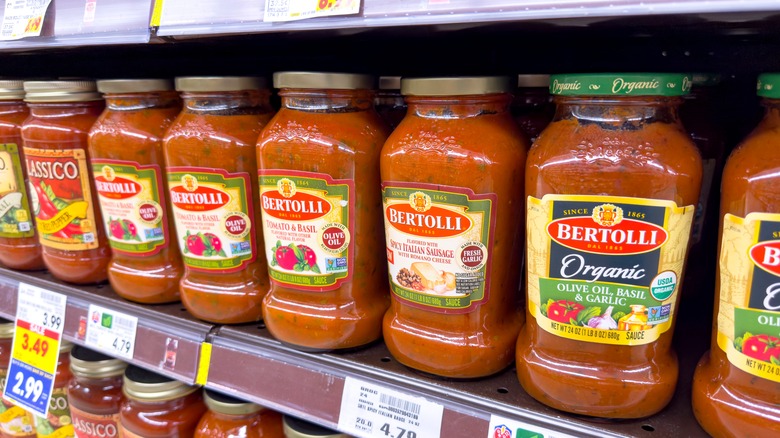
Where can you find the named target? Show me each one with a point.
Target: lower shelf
(246, 362)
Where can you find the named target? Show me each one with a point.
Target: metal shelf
(248, 363)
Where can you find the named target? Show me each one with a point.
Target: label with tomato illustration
(62, 198)
(605, 269)
(132, 206)
(15, 217)
(439, 243)
(749, 312)
(308, 220)
(57, 423)
(213, 213)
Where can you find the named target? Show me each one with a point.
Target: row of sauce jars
(614, 153)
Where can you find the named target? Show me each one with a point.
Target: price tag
(291, 10)
(372, 411)
(23, 18)
(505, 428)
(40, 318)
(111, 332)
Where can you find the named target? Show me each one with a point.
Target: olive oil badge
(605, 269)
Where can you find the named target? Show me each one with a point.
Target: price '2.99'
(32, 387)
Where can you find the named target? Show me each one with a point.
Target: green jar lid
(621, 84)
(769, 85)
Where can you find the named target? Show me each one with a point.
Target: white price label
(41, 307)
(111, 332)
(505, 428)
(291, 10)
(23, 18)
(371, 411)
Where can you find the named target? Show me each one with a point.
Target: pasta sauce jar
(736, 387)
(95, 393)
(210, 154)
(318, 162)
(612, 185)
(229, 417)
(158, 407)
(452, 176)
(389, 102)
(19, 246)
(125, 145)
(14, 421)
(58, 423)
(63, 195)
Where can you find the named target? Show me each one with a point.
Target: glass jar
(532, 107)
(736, 386)
(612, 185)
(389, 102)
(297, 428)
(63, 195)
(229, 417)
(95, 393)
(15, 422)
(158, 407)
(452, 178)
(318, 161)
(19, 246)
(210, 154)
(58, 422)
(127, 160)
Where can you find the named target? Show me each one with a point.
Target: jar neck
(235, 417)
(326, 101)
(457, 107)
(231, 101)
(99, 381)
(93, 107)
(142, 101)
(618, 112)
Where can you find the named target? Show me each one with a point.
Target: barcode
(51, 298)
(400, 403)
(278, 6)
(124, 323)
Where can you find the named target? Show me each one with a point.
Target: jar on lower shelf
(229, 417)
(58, 423)
(296, 428)
(95, 392)
(158, 407)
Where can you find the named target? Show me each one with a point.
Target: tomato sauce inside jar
(127, 160)
(95, 393)
(229, 417)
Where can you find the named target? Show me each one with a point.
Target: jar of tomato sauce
(19, 246)
(125, 145)
(532, 107)
(58, 422)
(611, 187)
(229, 417)
(95, 393)
(63, 195)
(210, 154)
(736, 387)
(318, 161)
(452, 175)
(158, 407)
(14, 421)
(389, 102)
(297, 428)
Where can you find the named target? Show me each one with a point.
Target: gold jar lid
(11, 89)
(227, 405)
(140, 384)
(389, 82)
(134, 85)
(322, 81)
(65, 347)
(61, 91)
(205, 84)
(533, 81)
(89, 363)
(6, 328)
(297, 428)
(456, 86)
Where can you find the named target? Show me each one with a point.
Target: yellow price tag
(38, 350)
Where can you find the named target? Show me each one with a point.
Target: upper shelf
(93, 23)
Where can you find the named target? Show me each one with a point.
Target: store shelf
(248, 363)
(156, 324)
(188, 18)
(69, 23)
